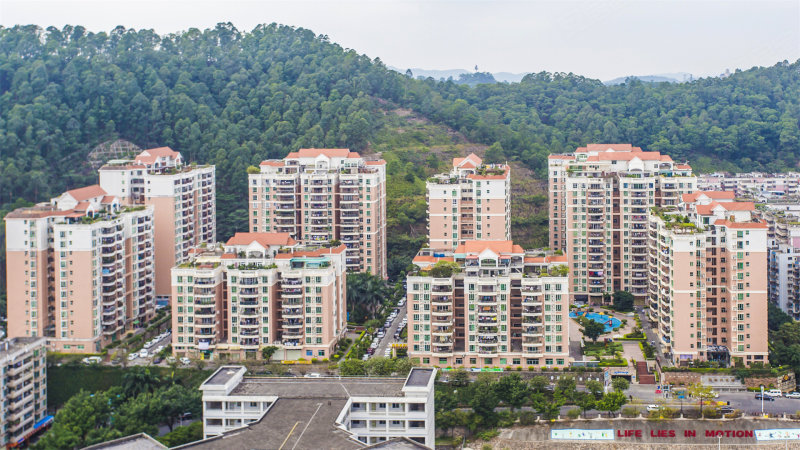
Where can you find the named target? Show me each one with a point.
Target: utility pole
(762, 400)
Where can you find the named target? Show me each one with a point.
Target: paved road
(388, 338)
(652, 336)
(744, 401)
(149, 360)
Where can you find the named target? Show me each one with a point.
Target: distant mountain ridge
(680, 77)
(510, 77)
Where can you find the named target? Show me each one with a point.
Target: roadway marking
(287, 436)
(319, 405)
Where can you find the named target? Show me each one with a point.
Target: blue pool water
(609, 322)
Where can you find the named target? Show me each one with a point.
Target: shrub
(630, 411)
(528, 418)
(519, 368)
(314, 360)
(573, 413)
(506, 419)
(531, 368)
(488, 435)
(486, 447)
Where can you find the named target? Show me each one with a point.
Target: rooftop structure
(322, 195)
(344, 413)
(472, 202)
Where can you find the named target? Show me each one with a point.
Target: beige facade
(497, 308)
(600, 198)
(259, 290)
(23, 383)
(183, 198)
(80, 269)
(708, 280)
(472, 202)
(323, 195)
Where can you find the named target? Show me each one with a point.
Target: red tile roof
(272, 163)
(495, 246)
(312, 253)
(470, 162)
(628, 156)
(604, 147)
(682, 166)
(714, 195)
(85, 193)
(149, 156)
(561, 157)
(379, 162)
(329, 152)
(705, 210)
(265, 239)
(730, 224)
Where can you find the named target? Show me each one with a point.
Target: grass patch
(598, 349)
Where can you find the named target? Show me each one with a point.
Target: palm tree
(139, 380)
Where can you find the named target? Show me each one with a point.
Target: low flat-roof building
(312, 413)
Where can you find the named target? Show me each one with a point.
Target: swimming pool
(609, 322)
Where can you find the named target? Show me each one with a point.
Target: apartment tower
(183, 198)
(487, 304)
(80, 269)
(600, 199)
(323, 195)
(24, 386)
(259, 290)
(708, 280)
(472, 202)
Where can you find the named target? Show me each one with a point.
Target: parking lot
(381, 344)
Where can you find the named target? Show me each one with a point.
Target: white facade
(23, 383)
(397, 408)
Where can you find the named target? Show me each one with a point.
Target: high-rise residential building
(783, 245)
(183, 198)
(600, 198)
(259, 290)
(487, 304)
(472, 202)
(24, 387)
(80, 269)
(708, 280)
(343, 413)
(323, 195)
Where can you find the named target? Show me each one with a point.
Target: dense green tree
(183, 435)
(623, 301)
(352, 368)
(538, 384)
(611, 402)
(138, 380)
(592, 329)
(595, 388)
(776, 317)
(585, 401)
(365, 294)
(512, 390)
(620, 384)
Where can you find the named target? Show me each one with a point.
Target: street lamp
(762, 400)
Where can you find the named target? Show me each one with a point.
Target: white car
(159, 348)
(92, 360)
(793, 395)
(185, 361)
(148, 344)
(312, 375)
(653, 407)
(133, 356)
(143, 354)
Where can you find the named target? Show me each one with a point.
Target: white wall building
(336, 411)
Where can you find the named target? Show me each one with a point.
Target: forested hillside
(233, 98)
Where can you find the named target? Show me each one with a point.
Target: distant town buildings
(488, 304)
(183, 198)
(323, 195)
(259, 290)
(600, 197)
(259, 412)
(23, 383)
(757, 185)
(708, 279)
(80, 269)
(472, 202)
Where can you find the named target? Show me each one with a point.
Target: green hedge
(65, 381)
(620, 362)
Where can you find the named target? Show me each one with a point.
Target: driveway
(388, 338)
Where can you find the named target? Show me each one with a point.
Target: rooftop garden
(490, 170)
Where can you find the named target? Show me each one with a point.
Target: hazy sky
(600, 39)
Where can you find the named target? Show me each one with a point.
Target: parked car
(143, 354)
(653, 407)
(133, 356)
(312, 375)
(793, 395)
(92, 360)
(725, 409)
(157, 360)
(765, 397)
(774, 393)
(185, 361)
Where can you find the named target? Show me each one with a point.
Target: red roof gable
(85, 193)
(265, 239)
(714, 195)
(149, 156)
